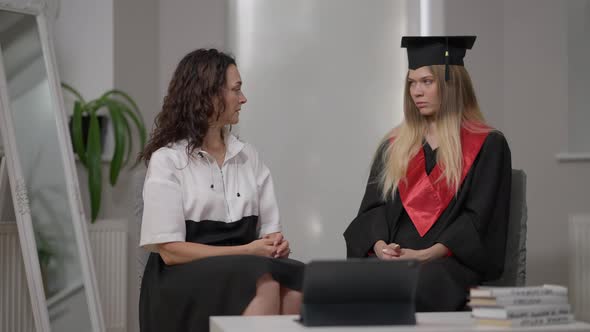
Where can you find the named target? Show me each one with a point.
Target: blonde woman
(439, 187)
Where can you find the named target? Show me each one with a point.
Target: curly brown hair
(193, 94)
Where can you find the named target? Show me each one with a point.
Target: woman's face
(233, 98)
(424, 91)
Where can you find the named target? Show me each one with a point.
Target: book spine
(536, 312)
(531, 300)
(549, 320)
(528, 292)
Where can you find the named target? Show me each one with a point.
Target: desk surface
(427, 322)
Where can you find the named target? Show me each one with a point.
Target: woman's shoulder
(172, 154)
(495, 147)
(251, 155)
(496, 139)
(245, 147)
(388, 139)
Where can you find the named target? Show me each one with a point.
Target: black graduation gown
(473, 226)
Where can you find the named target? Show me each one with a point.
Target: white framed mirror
(44, 185)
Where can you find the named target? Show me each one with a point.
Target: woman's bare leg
(267, 298)
(290, 301)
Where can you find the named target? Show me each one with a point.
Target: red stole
(422, 196)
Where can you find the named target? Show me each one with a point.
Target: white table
(427, 322)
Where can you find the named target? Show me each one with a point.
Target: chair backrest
(142, 254)
(515, 263)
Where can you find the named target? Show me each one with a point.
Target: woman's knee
(265, 284)
(291, 294)
(267, 298)
(290, 301)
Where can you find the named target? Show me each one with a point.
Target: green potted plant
(47, 256)
(122, 111)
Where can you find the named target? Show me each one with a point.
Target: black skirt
(183, 297)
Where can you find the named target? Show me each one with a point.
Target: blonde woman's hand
(406, 253)
(386, 251)
(437, 251)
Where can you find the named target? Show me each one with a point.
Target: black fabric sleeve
(370, 225)
(477, 237)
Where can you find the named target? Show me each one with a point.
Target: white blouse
(178, 188)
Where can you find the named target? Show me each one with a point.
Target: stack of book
(520, 306)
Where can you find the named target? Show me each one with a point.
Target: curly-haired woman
(210, 215)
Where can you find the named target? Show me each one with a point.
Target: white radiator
(15, 303)
(108, 240)
(579, 265)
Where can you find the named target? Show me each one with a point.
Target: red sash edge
(425, 198)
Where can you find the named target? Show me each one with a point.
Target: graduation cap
(437, 50)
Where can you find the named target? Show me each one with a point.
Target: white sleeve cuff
(268, 229)
(151, 242)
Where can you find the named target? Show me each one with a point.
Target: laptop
(365, 291)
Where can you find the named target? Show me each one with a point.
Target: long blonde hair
(458, 109)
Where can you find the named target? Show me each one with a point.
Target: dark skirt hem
(183, 297)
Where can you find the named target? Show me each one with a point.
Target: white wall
(536, 108)
(324, 81)
(84, 45)
(519, 65)
(578, 48)
(137, 53)
(184, 27)
(136, 62)
(486, 60)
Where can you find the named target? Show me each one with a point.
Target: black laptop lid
(359, 292)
